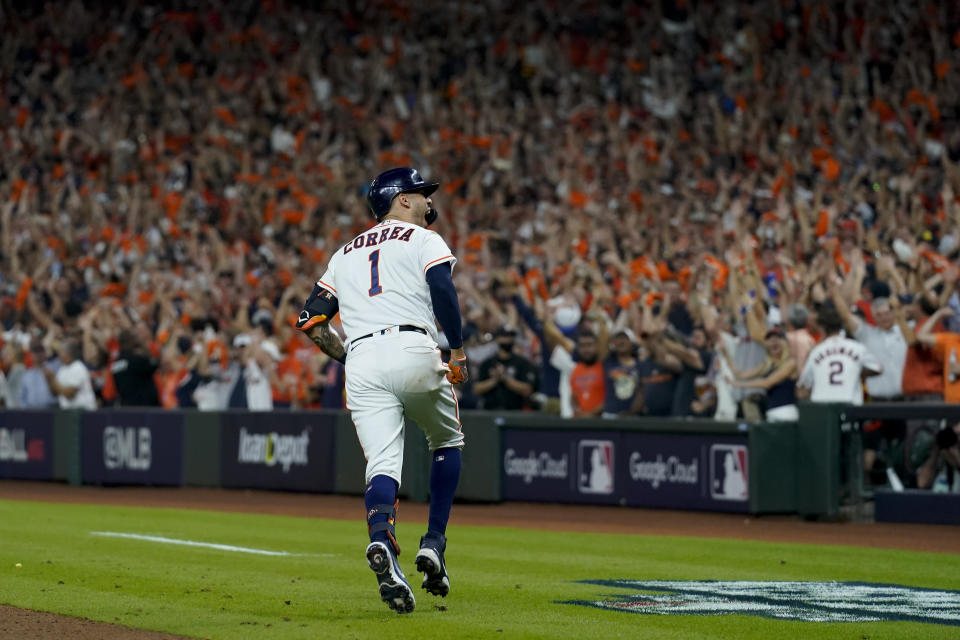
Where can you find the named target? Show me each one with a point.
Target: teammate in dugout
(388, 284)
(835, 367)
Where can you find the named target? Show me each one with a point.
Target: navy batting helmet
(388, 184)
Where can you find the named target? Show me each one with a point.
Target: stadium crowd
(650, 202)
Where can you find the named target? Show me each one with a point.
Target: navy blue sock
(382, 490)
(444, 476)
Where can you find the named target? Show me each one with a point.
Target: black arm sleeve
(446, 305)
(319, 307)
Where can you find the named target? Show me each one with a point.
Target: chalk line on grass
(209, 545)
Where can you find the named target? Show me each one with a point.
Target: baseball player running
(835, 367)
(388, 284)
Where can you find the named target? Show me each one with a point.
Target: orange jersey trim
(321, 282)
(432, 262)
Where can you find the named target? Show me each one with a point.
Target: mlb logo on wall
(595, 466)
(728, 472)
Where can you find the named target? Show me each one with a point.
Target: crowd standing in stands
(650, 201)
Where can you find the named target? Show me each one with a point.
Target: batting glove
(457, 371)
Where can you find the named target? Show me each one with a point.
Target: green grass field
(505, 582)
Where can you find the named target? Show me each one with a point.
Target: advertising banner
(26, 445)
(560, 466)
(132, 447)
(685, 472)
(288, 450)
(637, 469)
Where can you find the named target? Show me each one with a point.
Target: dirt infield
(28, 625)
(19, 624)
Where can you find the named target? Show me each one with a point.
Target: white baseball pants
(392, 375)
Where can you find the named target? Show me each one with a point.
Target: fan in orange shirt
(947, 344)
(583, 371)
(294, 378)
(586, 379)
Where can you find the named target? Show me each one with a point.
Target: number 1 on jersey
(375, 287)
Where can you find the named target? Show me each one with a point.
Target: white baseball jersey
(379, 278)
(833, 370)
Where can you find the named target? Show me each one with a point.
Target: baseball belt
(403, 327)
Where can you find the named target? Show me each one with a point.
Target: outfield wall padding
(290, 450)
(201, 448)
(480, 474)
(27, 445)
(818, 460)
(917, 506)
(773, 467)
(705, 466)
(66, 446)
(349, 463)
(651, 462)
(132, 447)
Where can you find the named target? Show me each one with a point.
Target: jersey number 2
(375, 288)
(836, 370)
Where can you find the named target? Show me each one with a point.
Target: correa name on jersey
(374, 238)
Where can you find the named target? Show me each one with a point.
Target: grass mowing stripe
(503, 580)
(208, 545)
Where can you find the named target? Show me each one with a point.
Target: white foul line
(207, 545)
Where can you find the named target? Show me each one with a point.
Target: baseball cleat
(430, 563)
(394, 588)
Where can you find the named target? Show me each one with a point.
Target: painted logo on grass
(806, 601)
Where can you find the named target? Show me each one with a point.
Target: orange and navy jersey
(587, 384)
